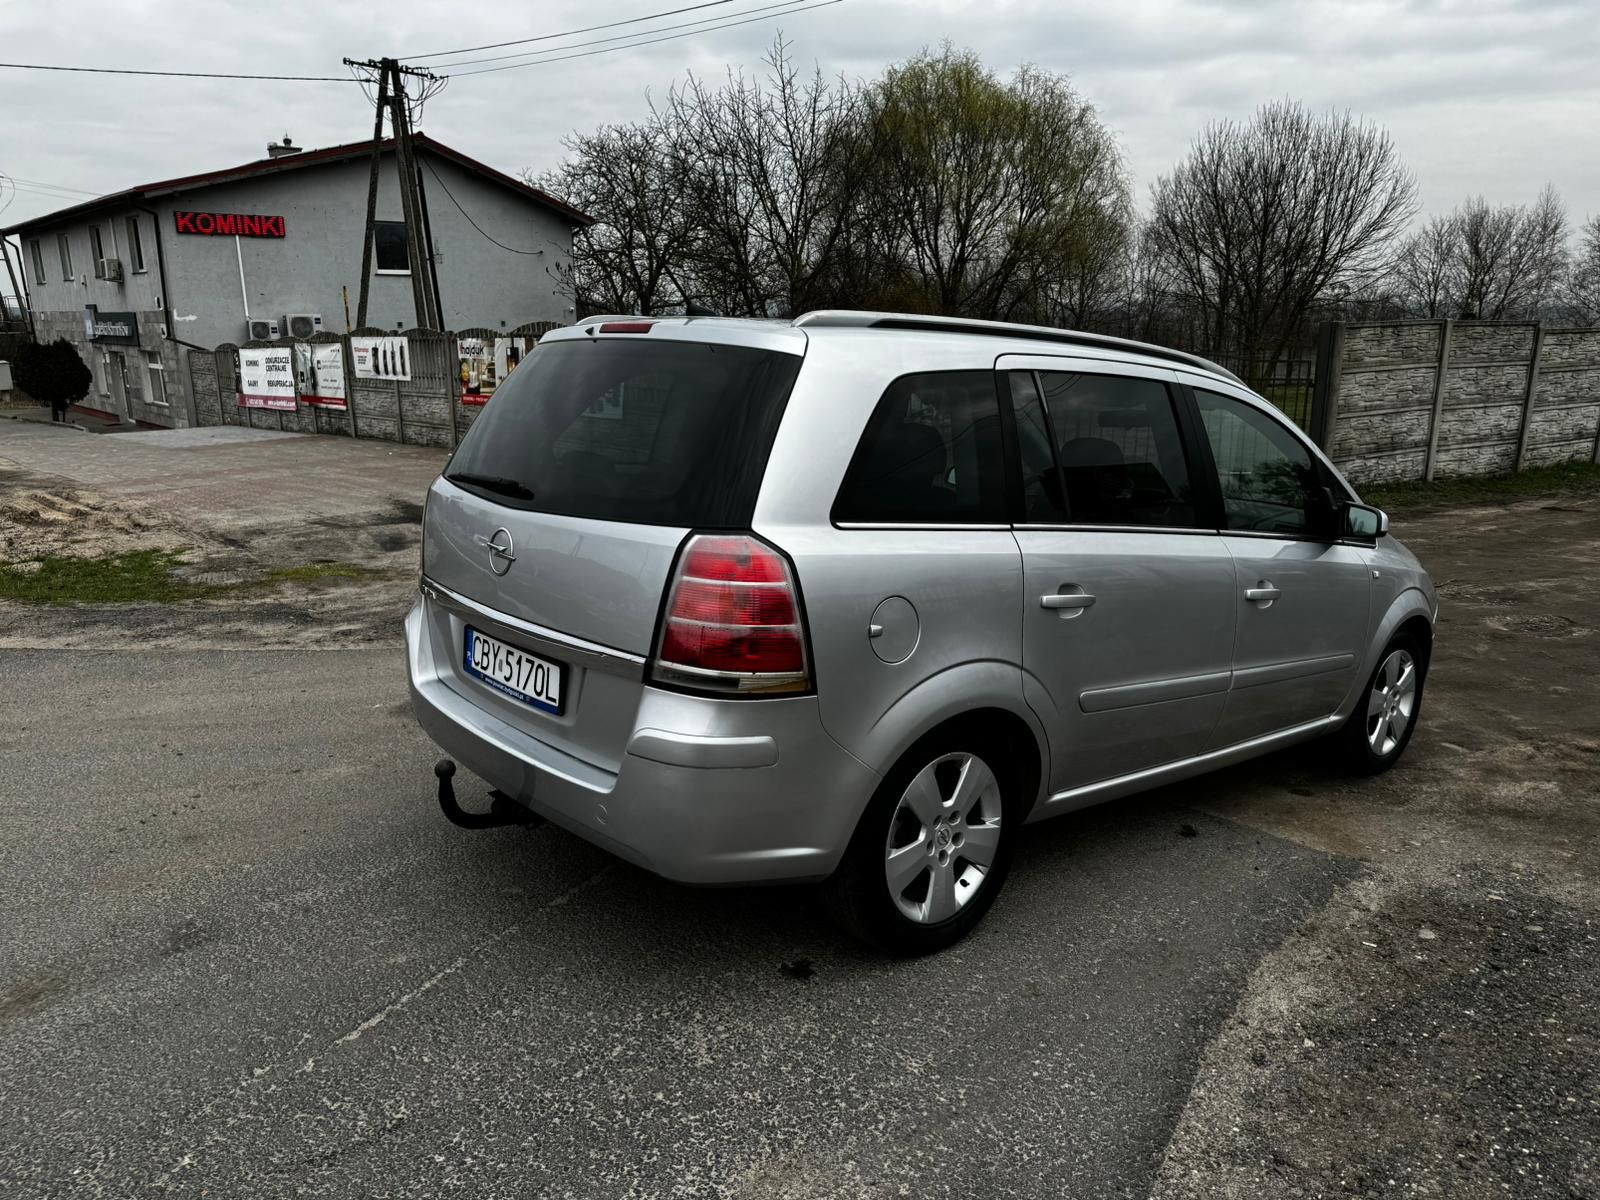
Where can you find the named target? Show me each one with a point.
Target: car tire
(1387, 712)
(913, 879)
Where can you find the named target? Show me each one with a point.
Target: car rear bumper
(709, 791)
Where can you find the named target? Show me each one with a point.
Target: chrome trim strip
(931, 527)
(1187, 687)
(1138, 781)
(1042, 527)
(549, 641)
(1300, 668)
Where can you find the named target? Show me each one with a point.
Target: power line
(177, 74)
(530, 55)
(468, 215)
(671, 37)
(545, 37)
(55, 187)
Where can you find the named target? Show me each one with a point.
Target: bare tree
(999, 199)
(1508, 258)
(625, 177)
(770, 173)
(1423, 270)
(1262, 219)
(1583, 286)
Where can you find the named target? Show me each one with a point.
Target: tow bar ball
(503, 810)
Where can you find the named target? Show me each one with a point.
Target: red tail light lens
(733, 620)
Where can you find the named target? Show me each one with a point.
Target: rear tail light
(732, 622)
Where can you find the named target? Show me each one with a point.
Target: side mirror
(1365, 522)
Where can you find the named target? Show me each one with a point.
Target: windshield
(648, 432)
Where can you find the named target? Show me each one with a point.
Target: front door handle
(1262, 593)
(1073, 602)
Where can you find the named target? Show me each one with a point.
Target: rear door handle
(1066, 600)
(1262, 593)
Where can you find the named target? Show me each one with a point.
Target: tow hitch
(503, 810)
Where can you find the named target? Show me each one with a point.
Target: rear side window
(930, 455)
(1119, 450)
(648, 432)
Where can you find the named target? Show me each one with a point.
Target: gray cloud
(1490, 96)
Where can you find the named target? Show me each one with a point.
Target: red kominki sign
(212, 224)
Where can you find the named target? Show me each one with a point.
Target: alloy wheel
(1392, 704)
(943, 838)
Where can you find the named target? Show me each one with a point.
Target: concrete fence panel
(1422, 399)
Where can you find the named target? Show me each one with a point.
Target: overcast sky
(1489, 96)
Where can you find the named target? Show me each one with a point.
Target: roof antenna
(692, 309)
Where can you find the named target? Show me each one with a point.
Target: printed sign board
(485, 363)
(121, 327)
(319, 374)
(381, 357)
(266, 379)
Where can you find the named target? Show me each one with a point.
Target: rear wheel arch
(1017, 754)
(1420, 628)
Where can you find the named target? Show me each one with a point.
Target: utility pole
(419, 248)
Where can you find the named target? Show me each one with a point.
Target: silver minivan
(852, 598)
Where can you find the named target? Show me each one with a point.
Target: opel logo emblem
(498, 544)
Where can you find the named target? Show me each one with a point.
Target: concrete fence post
(1439, 377)
(349, 384)
(1527, 398)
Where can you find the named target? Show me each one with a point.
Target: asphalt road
(243, 955)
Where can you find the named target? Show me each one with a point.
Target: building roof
(295, 162)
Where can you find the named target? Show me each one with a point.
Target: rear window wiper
(493, 483)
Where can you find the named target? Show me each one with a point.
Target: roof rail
(839, 318)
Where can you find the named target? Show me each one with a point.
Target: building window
(97, 252)
(156, 374)
(389, 247)
(64, 249)
(135, 247)
(35, 253)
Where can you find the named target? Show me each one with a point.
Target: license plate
(520, 675)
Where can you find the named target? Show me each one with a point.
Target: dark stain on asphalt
(800, 969)
(187, 935)
(29, 995)
(1188, 831)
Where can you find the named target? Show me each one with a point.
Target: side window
(1119, 449)
(930, 455)
(1269, 482)
(1041, 483)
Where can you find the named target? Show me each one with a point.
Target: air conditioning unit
(261, 330)
(302, 325)
(111, 269)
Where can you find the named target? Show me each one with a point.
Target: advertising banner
(485, 363)
(381, 357)
(319, 375)
(266, 379)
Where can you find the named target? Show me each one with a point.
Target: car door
(1128, 604)
(1302, 597)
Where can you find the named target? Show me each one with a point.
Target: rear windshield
(650, 432)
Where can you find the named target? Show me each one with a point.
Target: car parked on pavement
(854, 597)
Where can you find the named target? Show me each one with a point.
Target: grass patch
(140, 576)
(1563, 478)
(312, 572)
